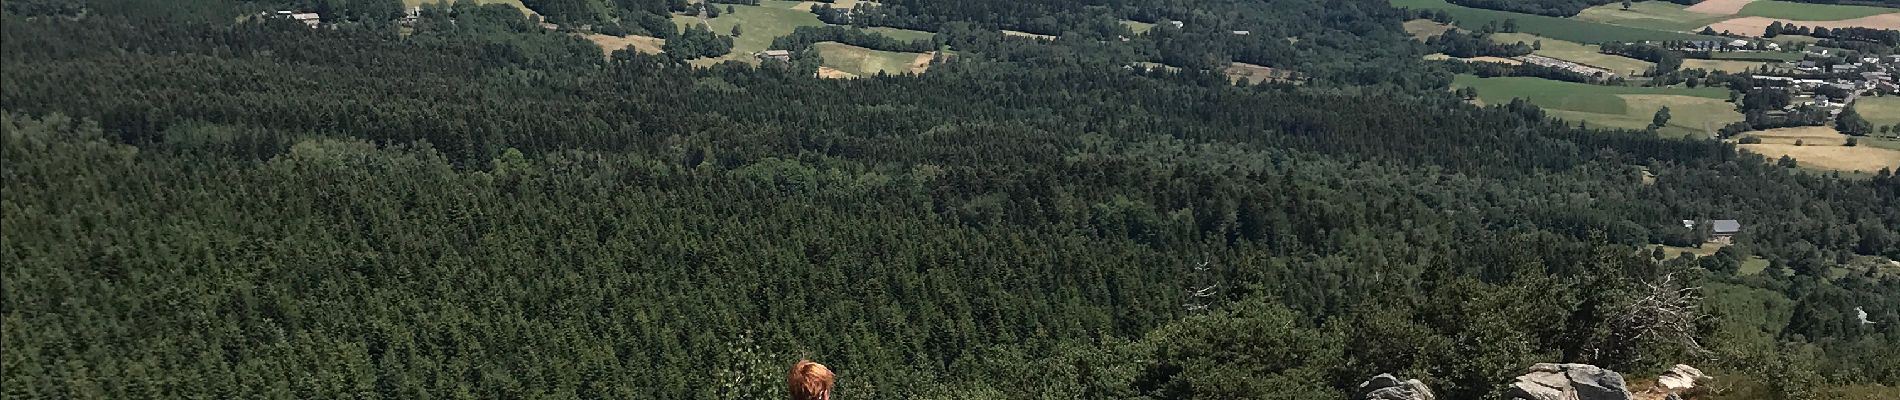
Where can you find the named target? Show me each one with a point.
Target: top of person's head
(809, 381)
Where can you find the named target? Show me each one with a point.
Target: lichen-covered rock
(1680, 378)
(1388, 387)
(1546, 381)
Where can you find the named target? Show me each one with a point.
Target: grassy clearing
(1658, 15)
(1560, 28)
(1707, 249)
(643, 44)
(1254, 73)
(1425, 28)
(861, 61)
(902, 34)
(1881, 111)
(1694, 112)
(762, 23)
(1753, 265)
(1028, 35)
(1137, 26)
(1810, 11)
(1586, 54)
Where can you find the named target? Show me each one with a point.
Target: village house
(310, 19)
(1720, 230)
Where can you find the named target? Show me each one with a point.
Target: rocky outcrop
(1546, 381)
(1680, 378)
(1388, 387)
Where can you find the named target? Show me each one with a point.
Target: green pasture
(1552, 27)
(1693, 111)
(759, 25)
(1810, 11)
(1657, 15)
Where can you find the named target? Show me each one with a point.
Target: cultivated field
(1658, 15)
(1807, 135)
(1560, 28)
(643, 44)
(1694, 112)
(1425, 28)
(1730, 66)
(1810, 11)
(861, 61)
(1578, 53)
(1836, 158)
(1754, 26)
(1881, 111)
(1719, 7)
(761, 23)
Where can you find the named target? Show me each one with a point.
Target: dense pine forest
(202, 203)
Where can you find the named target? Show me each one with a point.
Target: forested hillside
(201, 204)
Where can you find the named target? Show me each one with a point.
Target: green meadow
(758, 26)
(1810, 11)
(1137, 26)
(1658, 15)
(1692, 111)
(1881, 111)
(907, 35)
(862, 61)
(1552, 27)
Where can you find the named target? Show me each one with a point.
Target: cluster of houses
(1844, 81)
(1731, 45)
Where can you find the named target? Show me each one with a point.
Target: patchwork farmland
(1696, 112)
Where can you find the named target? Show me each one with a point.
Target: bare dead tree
(1206, 289)
(1665, 312)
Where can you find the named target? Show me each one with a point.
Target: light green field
(902, 34)
(864, 62)
(1586, 54)
(1757, 55)
(1881, 111)
(762, 23)
(1658, 15)
(1693, 111)
(1137, 26)
(1810, 11)
(1753, 265)
(1574, 30)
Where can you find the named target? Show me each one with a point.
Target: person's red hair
(810, 381)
